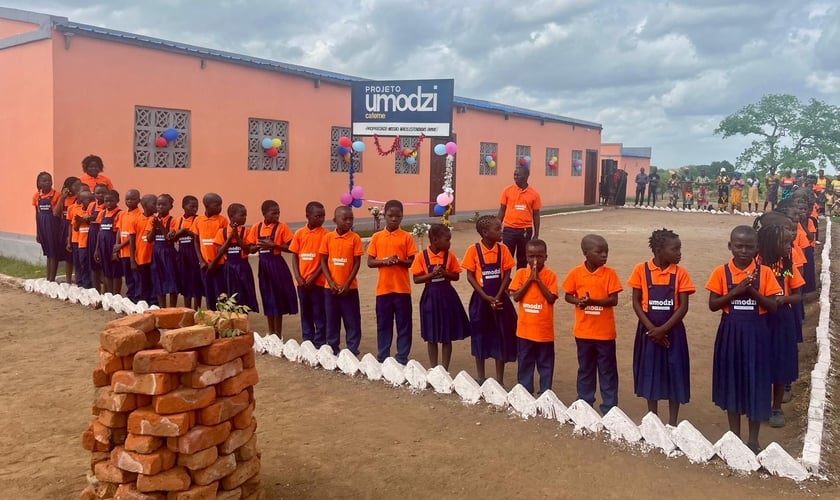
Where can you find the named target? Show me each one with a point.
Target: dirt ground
(325, 435)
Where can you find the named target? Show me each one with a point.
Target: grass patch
(21, 269)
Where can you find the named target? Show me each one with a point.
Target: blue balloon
(358, 146)
(439, 210)
(440, 149)
(170, 134)
(342, 150)
(266, 142)
(411, 160)
(488, 158)
(528, 159)
(357, 203)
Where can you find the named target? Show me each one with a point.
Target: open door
(590, 183)
(437, 171)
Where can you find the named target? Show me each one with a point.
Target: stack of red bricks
(173, 416)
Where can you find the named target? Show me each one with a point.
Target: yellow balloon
(276, 142)
(554, 159)
(492, 164)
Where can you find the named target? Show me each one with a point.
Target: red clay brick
(162, 361)
(176, 479)
(143, 383)
(98, 456)
(223, 466)
(223, 409)
(227, 349)
(143, 400)
(149, 464)
(153, 339)
(108, 362)
(129, 491)
(206, 375)
(235, 494)
(199, 459)
(128, 362)
(143, 444)
(99, 491)
(184, 399)
(119, 435)
(248, 450)
(100, 378)
(173, 317)
(207, 492)
(187, 338)
(141, 322)
(122, 340)
(249, 359)
(243, 472)
(108, 472)
(146, 422)
(237, 384)
(237, 438)
(106, 399)
(251, 486)
(244, 418)
(202, 437)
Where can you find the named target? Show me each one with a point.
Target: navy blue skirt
(784, 351)
(189, 280)
(493, 333)
(110, 268)
(49, 229)
(93, 235)
(277, 288)
(741, 368)
(660, 373)
(164, 270)
(809, 271)
(442, 315)
(239, 279)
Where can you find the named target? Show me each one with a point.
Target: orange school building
(69, 90)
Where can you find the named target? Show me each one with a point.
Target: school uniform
(393, 293)
(239, 277)
(79, 239)
(107, 238)
(277, 288)
(93, 233)
(493, 333)
(65, 228)
(741, 367)
(164, 259)
(47, 225)
(809, 271)
(535, 329)
(190, 284)
(205, 229)
(797, 255)
(125, 223)
(518, 224)
(595, 334)
(442, 315)
(305, 245)
(785, 331)
(341, 251)
(660, 372)
(143, 257)
(91, 182)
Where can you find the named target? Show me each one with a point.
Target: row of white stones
(713, 211)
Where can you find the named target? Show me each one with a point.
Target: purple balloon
(346, 199)
(451, 148)
(357, 192)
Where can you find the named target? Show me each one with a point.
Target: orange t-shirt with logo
(93, 181)
(520, 205)
(801, 239)
(767, 281)
(384, 244)
(222, 236)
(659, 276)
(471, 263)
(341, 250)
(306, 243)
(79, 236)
(419, 268)
(205, 229)
(52, 195)
(262, 231)
(593, 322)
(536, 315)
(142, 248)
(125, 224)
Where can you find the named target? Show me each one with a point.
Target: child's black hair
(312, 205)
(168, 197)
(393, 204)
(68, 182)
(114, 193)
(659, 237)
(38, 177)
(100, 184)
(484, 222)
(771, 233)
(188, 198)
(235, 208)
(92, 158)
(437, 230)
(268, 205)
(536, 243)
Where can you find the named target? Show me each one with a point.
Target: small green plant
(223, 319)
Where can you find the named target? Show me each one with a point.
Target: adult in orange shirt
(92, 168)
(520, 215)
(341, 256)
(593, 287)
(535, 288)
(141, 250)
(306, 267)
(392, 251)
(123, 249)
(79, 241)
(206, 227)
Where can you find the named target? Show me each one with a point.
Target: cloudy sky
(659, 74)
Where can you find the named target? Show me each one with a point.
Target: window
(522, 152)
(149, 127)
(552, 154)
(401, 164)
(577, 163)
(487, 149)
(258, 158)
(337, 163)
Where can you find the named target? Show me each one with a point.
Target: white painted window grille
(149, 125)
(577, 159)
(522, 152)
(487, 149)
(549, 154)
(401, 165)
(258, 159)
(337, 163)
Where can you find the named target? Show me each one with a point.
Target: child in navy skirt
(189, 269)
(661, 288)
(69, 194)
(492, 315)
(47, 225)
(744, 290)
(239, 278)
(105, 241)
(159, 231)
(97, 206)
(271, 238)
(443, 319)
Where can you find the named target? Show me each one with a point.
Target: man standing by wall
(653, 184)
(641, 183)
(520, 215)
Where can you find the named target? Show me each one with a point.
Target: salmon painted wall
(629, 164)
(26, 130)
(9, 27)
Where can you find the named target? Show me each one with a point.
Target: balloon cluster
(553, 163)
(345, 145)
(355, 197)
(490, 160)
(168, 135)
(577, 164)
(445, 199)
(525, 161)
(271, 146)
(410, 156)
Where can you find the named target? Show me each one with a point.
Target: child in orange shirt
(189, 280)
(593, 287)
(160, 232)
(92, 175)
(106, 240)
(535, 288)
(661, 288)
(47, 224)
(123, 248)
(92, 217)
(306, 266)
(341, 256)
(69, 193)
(744, 291)
(79, 239)
(392, 251)
(233, 257)
(442, 316)
(205, 228)
(141, 250)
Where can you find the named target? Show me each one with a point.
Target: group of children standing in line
(160, 256)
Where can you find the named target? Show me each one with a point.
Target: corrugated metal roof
(66, 26)
(637, 152)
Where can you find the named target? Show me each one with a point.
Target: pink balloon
(357, 192)
(345, 199)
(444, 199)
(451, 148)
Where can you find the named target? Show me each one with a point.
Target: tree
(791, 135)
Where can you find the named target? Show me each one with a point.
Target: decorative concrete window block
(393, 372)
(370, 367)
(308, 353)
(692, 442)
(440, 380)
(291, 350)
(348, 363)
(522, 401)
(620, 426)
(779, 463)
(326, 358)
(549, 406)
(466, 387)
(585, 417)
(493, 392)
(655, 433)
(415, 374)
(736, 454)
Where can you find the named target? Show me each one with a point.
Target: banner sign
(403, 107)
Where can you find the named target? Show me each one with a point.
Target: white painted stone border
(713, 211)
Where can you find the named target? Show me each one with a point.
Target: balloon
(493, 155)
(346, 157)
(357, 203)
(444, 199)
(440, 149)
(407, 152)
(357, 192)
(554, 159)
(451, 148)
(439, 210)
(527, 159)
(551, 163)
(522, 162)
(345, 141)
(411, 160)
(266, 142)
(492, 164)
(161, 142)
(358, 146)
(343, 151)
(276, 142)
(345, 199)
(553, 166)
(414, 154)
(271, 152)
(577, 163)
(488, 158)
(170, 134)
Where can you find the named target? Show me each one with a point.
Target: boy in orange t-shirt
(392, 251)
(306, 268)
(79, 231)
(206, 227)
(124, 250)
(142, 250)
(593, 287)
(535, 288)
